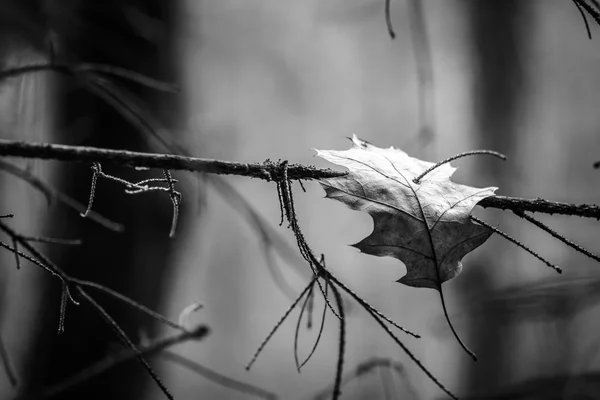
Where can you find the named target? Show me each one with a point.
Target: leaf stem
(462, 344)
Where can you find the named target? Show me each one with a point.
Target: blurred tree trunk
(138, 36)
(498, 40)
(25, 114)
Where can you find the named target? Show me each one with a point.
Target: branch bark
(267, 170)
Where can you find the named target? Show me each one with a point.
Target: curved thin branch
(388, 20)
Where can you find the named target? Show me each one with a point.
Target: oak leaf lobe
(425, 225)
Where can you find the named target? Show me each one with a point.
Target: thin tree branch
(266, 170)
(541, 206)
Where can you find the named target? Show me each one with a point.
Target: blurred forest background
(274, 79)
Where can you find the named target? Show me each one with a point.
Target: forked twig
(278, 324)
(44, 262)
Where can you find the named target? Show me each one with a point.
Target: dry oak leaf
(425, 225)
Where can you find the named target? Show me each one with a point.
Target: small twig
(595, 14)
(44, 262)
(278, 324)
(302, 185)
(50, 240)
(175, 199)
(411, 355)
(311, 306)
(32, 259)
(7, 216)
(557, 235)
(126, 341)
(64, 297)
(186, 313)
(369, 307)
(96, 169)
(318, 339)
(297, 330)
(460, 341)
(16, 248)
(128, 301)
(388, 20)
(465, 154)
(287, 203)
(339, 371)
(587, 26)
(518, 243)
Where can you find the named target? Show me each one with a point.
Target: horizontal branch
(541, 206)
(267, 170)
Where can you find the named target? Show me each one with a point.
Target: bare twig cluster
(74, 291)
(320, 272)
